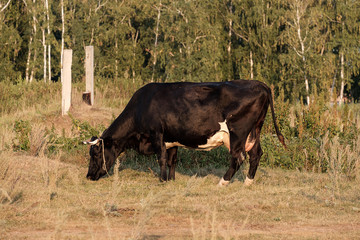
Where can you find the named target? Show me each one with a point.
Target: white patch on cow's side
(248, 181)
(219, 138)
(223, 182)
(223, 126)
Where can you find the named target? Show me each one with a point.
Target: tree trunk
(116, 55)
(134, 54)
(6, 5)
(332, 88)
(28, 74)
(48, 35)
(62, 36)
(156, 40)
(251, 66)
(342, 78)
(134, 38)
(302, 53)
(33, 68)
(28, 60)
(229, 43)
(44, 46)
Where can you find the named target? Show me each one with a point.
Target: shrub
(22, 140)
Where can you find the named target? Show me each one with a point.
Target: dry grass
(44, 198)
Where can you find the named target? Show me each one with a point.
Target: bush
(22, 95)
(305, 129)
(22, 130)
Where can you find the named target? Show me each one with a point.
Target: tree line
(302, 47)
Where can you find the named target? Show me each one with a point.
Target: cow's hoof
(248, 182)
(223, 182)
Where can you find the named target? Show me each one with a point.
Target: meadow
(309, 191)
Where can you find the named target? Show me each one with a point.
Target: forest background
(300, 47)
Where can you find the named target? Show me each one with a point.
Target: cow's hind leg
(235, 164)
(237, 151)
(171, 162)
(255, 154)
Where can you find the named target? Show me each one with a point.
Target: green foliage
(54, 142)
(80, 131)
(22, 130)
(83, 129)
(18, 95)
(136, 42)
(305, 129)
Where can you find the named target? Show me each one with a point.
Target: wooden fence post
(88, 96)
(66, 81)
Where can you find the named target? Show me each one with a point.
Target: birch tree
(62, 37)
(48, 37)
(158, 9)
(302, 34)
(10, 40)
(345, 39)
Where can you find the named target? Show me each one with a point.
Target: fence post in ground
(88, 96)
(66, 81)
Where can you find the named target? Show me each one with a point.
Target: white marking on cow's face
(223, 182)
(248, 182)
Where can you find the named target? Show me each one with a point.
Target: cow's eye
(94, 151)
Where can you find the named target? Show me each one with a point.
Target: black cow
(160, 117)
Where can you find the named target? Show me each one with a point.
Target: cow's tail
(278, 133)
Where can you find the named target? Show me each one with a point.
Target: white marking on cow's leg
(223, 182)
(248, 181)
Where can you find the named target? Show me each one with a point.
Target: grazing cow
(160, 117)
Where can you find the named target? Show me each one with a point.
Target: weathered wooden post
(66, 81)
(88, 96)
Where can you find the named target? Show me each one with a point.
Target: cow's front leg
(160, 150)
(162, 163)
(171, 162)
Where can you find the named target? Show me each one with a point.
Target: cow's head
(102, 157)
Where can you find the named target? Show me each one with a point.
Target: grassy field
(45, 198)
(44, 193)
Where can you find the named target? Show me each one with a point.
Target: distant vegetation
(302, 47)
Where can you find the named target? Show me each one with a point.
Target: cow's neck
(119, 132)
